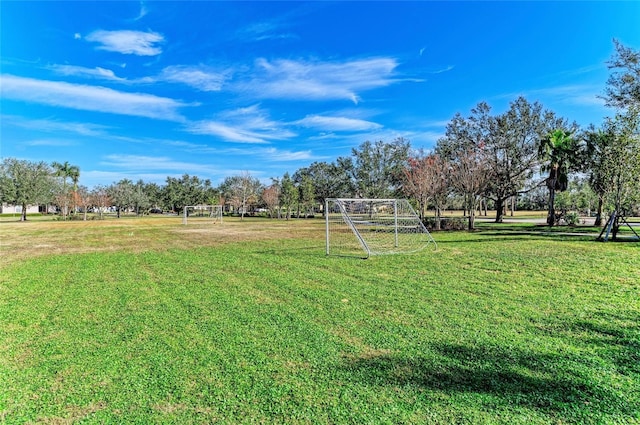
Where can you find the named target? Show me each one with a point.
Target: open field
(149, 321)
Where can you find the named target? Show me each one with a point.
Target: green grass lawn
(496, 326)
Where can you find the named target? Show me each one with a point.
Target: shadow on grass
(518, 234)
(619, 334)
(555, 384)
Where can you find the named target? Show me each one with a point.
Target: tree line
(483, 157)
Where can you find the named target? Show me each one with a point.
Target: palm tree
(561, 154)
(65, 171)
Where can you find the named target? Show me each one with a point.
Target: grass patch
(250, 322)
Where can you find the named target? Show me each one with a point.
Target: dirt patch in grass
(23, 240)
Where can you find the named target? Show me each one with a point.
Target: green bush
(571, 218)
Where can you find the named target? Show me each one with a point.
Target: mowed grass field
(149, 321)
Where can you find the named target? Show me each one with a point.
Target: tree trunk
(598, 221)
(437, 224)
(23, 216)
(472, 215)
(551, 214)
(499, 209)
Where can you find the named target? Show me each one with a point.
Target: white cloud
(200, 77)
(244, 125)
(128, 42)
(300, 80)
(273, 154)
(89, 98)
(97, 72)
(337, 123)
(226, 132)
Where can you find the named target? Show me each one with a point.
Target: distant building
(31, 209)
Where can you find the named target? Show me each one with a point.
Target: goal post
(375, 226)
(202, 214)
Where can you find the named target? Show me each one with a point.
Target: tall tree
(289, 195)
(623, 167)
(511, 148)
(140, 199)
(510, 144)
(623, 85)
(330, 180)
(377, 168)
(153, 192)
(66, 171)
(561, 154)
(306, 189)
(600, 164)
(186, 190)
(122, 195)
(25, 183)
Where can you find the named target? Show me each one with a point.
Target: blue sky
(146, 90)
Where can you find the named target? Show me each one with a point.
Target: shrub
(448, 223)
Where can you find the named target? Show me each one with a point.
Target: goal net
(202, 214)
(375, 226)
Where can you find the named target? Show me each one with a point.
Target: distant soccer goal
(374, 227)
(202, 214)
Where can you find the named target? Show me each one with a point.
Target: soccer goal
(202, 214)
(375, 226)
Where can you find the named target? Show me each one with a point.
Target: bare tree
(83, 199)
(426, 179)
(470, 176)
(100, 198)
(241, 191)
(271, 197)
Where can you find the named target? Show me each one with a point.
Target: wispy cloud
(95, 177)
(264, 31)
(273, 154)
(97, 72)
(53, 126)
(200, 77)
(143, 11)
(330, 123)
(442, 70)
(128, 42)
(572, 94)
(50, 142)
(89, 98)
(153, 163)
(314, 80)
(244, 125)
